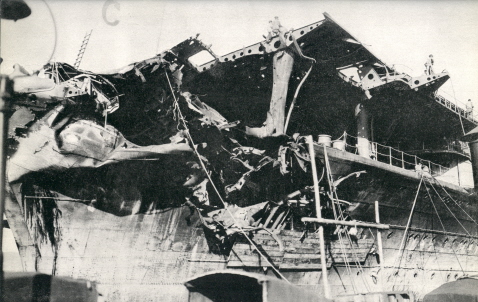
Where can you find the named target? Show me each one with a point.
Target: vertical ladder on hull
(79, 57)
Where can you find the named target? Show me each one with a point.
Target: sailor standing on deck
(469, 109)
(276, 26)
(269, 32)
(429, 65)
(275, 29)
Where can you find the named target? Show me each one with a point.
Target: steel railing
(468, 113)
(394, 157)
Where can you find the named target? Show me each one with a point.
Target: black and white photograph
(239, 151)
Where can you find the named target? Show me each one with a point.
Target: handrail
(395, 157)
(453, 106)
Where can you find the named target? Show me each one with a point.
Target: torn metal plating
(112, 140)
(59, 81)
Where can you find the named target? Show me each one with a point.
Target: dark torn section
(135, 142)
(42, 215)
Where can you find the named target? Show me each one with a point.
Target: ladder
(82, 49)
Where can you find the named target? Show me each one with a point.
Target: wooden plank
(254, 253)
(253, 261)
(312, 266)
(298, 244)
(357, 251)
(247, 264)
(347, 223)
(301, 256)
(291, 261)
(243, 247)
(296, 254)
(302, 251)
(298, 249)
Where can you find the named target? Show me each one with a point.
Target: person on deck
(276, 29)
(276, 26)
(469, 109)
(429, 65)
(270, 34)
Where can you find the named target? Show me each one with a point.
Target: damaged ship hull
(133, 256)
(130, 180)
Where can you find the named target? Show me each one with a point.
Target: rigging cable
(455, 201)
(180, 115)
(341, 244)
(347, 235)
(450, 210)
(354, 254)
(402, 243)
(444, 230)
